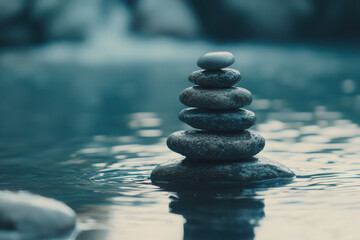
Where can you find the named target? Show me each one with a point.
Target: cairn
(223, 149)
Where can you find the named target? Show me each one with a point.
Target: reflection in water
(218, 212)
(84, 148)
(105, 179)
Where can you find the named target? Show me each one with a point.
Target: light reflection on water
(95, 150)
(324, 157)
(108, 179)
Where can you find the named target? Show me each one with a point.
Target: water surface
(90, 136)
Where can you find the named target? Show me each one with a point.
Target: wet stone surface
(216, 98)
(212, 146)
(218, 120)
(222, 78)
(216, 60)
(188, 171)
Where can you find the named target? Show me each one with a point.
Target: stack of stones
(223, 149)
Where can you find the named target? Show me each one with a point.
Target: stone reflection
(218, 212)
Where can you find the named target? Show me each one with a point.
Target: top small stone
(216, 60)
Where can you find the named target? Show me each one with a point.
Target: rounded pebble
(216, 98)
(190, 172)
(215, 120)
(222, 78)
(205, 145)
(216, 60)
(28, 216)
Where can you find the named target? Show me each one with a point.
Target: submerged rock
(216, 60)
(222, 78)
(218, 120)
(212, 146)
(216, 98)
(187, 171)
(27, 215)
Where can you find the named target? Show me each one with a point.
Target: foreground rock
(222, 78)
(216, 60)
(217, 120)
(234, 146)
(26, 215)
(216, 98)
(252, 170)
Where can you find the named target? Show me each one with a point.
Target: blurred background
(36, 22)
(71, 66)
(89, 92)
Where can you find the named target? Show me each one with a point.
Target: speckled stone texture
(222, 78)
(216, 60)
(218, 120)
(223, 150)
(252, 170)
(216, 98)
(198, 144)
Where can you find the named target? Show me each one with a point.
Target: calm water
(90, 136)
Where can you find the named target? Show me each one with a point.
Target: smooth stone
(216, 98)
(215, 120)
(213, 146)
(216, 60)
(187, 171)
(27, 215)
(222, 78)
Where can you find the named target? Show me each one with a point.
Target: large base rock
(187, 171)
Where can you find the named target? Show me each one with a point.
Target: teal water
(90, 135)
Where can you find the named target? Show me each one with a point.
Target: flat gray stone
(216, 60)
(187, 171)
(216, 98)
(218, 120)
(222, 78)
(27, 216)
(198, 144)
